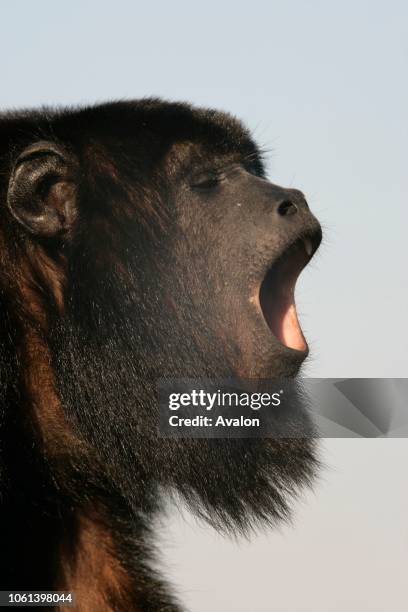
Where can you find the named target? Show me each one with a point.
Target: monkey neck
(51, 538)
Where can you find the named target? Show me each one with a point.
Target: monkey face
(247, 242)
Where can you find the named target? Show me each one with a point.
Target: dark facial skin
(136, 243)
(235, 224)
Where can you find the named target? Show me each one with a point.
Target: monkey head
(142, 240)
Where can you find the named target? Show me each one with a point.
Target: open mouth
(277, 291)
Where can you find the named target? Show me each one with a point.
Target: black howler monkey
(138, 240)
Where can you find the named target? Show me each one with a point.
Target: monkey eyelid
(213, 175)
(206, 179)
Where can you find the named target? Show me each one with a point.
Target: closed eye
(207, 182)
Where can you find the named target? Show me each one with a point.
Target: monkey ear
(42, 189)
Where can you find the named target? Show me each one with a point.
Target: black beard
(108, 353)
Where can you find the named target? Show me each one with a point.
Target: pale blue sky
(322, 84)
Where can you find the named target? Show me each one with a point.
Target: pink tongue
(290, 331)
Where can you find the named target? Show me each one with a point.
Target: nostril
(287, 208)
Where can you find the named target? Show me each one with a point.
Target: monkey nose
(287, 208)
(293, 202)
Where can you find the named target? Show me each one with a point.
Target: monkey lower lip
(277, 296)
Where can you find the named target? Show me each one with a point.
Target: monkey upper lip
(276, 292)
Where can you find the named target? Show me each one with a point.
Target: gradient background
(324, 87)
